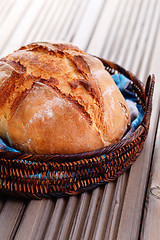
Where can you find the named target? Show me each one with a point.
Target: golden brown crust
(54, 136)
(72, 76)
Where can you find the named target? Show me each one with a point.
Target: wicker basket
(38, 176)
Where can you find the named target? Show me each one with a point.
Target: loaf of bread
(57, 99)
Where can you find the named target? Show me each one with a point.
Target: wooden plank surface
(150, 223)
(35, 220)
(121, 31)
(10, 218)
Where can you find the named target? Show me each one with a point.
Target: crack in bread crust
(77, 62)
(17, 66)
(69, 98)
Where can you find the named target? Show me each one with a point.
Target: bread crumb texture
(56, 98)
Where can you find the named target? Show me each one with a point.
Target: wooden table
(126, 32)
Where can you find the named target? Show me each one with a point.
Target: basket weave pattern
(37, 176)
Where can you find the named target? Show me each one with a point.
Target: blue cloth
(4, 147)
(136, 110)
(125, 86)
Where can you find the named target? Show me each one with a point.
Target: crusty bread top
(74, 76)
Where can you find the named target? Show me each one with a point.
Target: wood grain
(150, 223)
(35, 220)
(10, 218)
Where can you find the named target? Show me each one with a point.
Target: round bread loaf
(57, 99)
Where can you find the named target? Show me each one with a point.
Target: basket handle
(149, 89)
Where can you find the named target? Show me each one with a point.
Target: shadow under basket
(38, 176)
